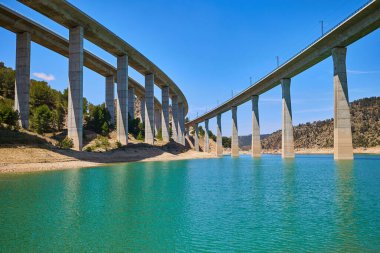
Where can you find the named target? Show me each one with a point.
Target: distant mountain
(365, 119)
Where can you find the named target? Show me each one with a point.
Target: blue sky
(211, 48)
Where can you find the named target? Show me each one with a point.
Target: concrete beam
(196, 138)
(110, 97)
(207, 138)
(235, 135)
(149, 109)
(256, 142)
(219, 144)
(75, 103)
(131, 102)
(343, 149)
(287, 125)
(175, 118)
(22, 84)
(122, 99)
(165, 114)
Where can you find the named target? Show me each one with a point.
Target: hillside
(365, 118)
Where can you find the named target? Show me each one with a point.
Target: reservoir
(311, 203)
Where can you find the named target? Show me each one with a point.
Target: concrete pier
(122, 97)
(142, 109)
(175, 118)
(219, 144)
(343, 149)
(196, 138)
(235, 135)
(75, 92)
(207, 138)
(256, 142)
(287, 125)
(149, 109)
(110, 97)
(181, 125)
(157, 121)
(22, 84)
(165, 114)
(131, 102)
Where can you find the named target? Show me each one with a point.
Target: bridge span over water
(81, 26)
(333, 43)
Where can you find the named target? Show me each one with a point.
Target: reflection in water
(346, 205)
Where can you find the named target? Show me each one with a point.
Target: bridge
(154, 114)
(333, 43)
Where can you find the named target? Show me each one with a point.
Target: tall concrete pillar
(149, 109)
(342, 118)
(165, 114)
(110, 97)
(122, 99)
(175, 118)
(256, 143)
(22, 77)
(219, 145)
(142, 109)
(196, 138)
(235, 135)
(131, 102)
(287, 125)
(181, 126)
(157, 121)
(75, 94)
(207, 138)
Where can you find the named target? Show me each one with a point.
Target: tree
(8, 115)
(41, 119)
(99, 119)
(7, 81)
(226, 142)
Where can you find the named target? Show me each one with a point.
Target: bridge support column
(287, 125)
(235, 135)
(131, 102)
(196, 138)
(175, 118)
(75, 92)
(142, 109)
(22, 77)
(165, 114)
(343, 149)
(149, 109)
(122, 97)
(181, 127)
(219, 145)
(110, 96)
(207, 138)
(256, 143)
(157, 121)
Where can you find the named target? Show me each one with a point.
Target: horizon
(179, 56)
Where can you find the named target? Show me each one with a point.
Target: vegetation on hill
(365, 118)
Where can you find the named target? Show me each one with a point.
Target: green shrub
(99, 119)
(66, 143)
(88, 149)
(8, 115)
(140, 136)
(118, 144)
(41, 119)
(102, 142)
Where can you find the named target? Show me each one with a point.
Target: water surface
(226, 205)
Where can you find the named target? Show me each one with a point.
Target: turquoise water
(218, 205)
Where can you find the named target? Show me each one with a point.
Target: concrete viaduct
(333, 43)
(154, 114)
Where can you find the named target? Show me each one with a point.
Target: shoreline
(16, 160)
